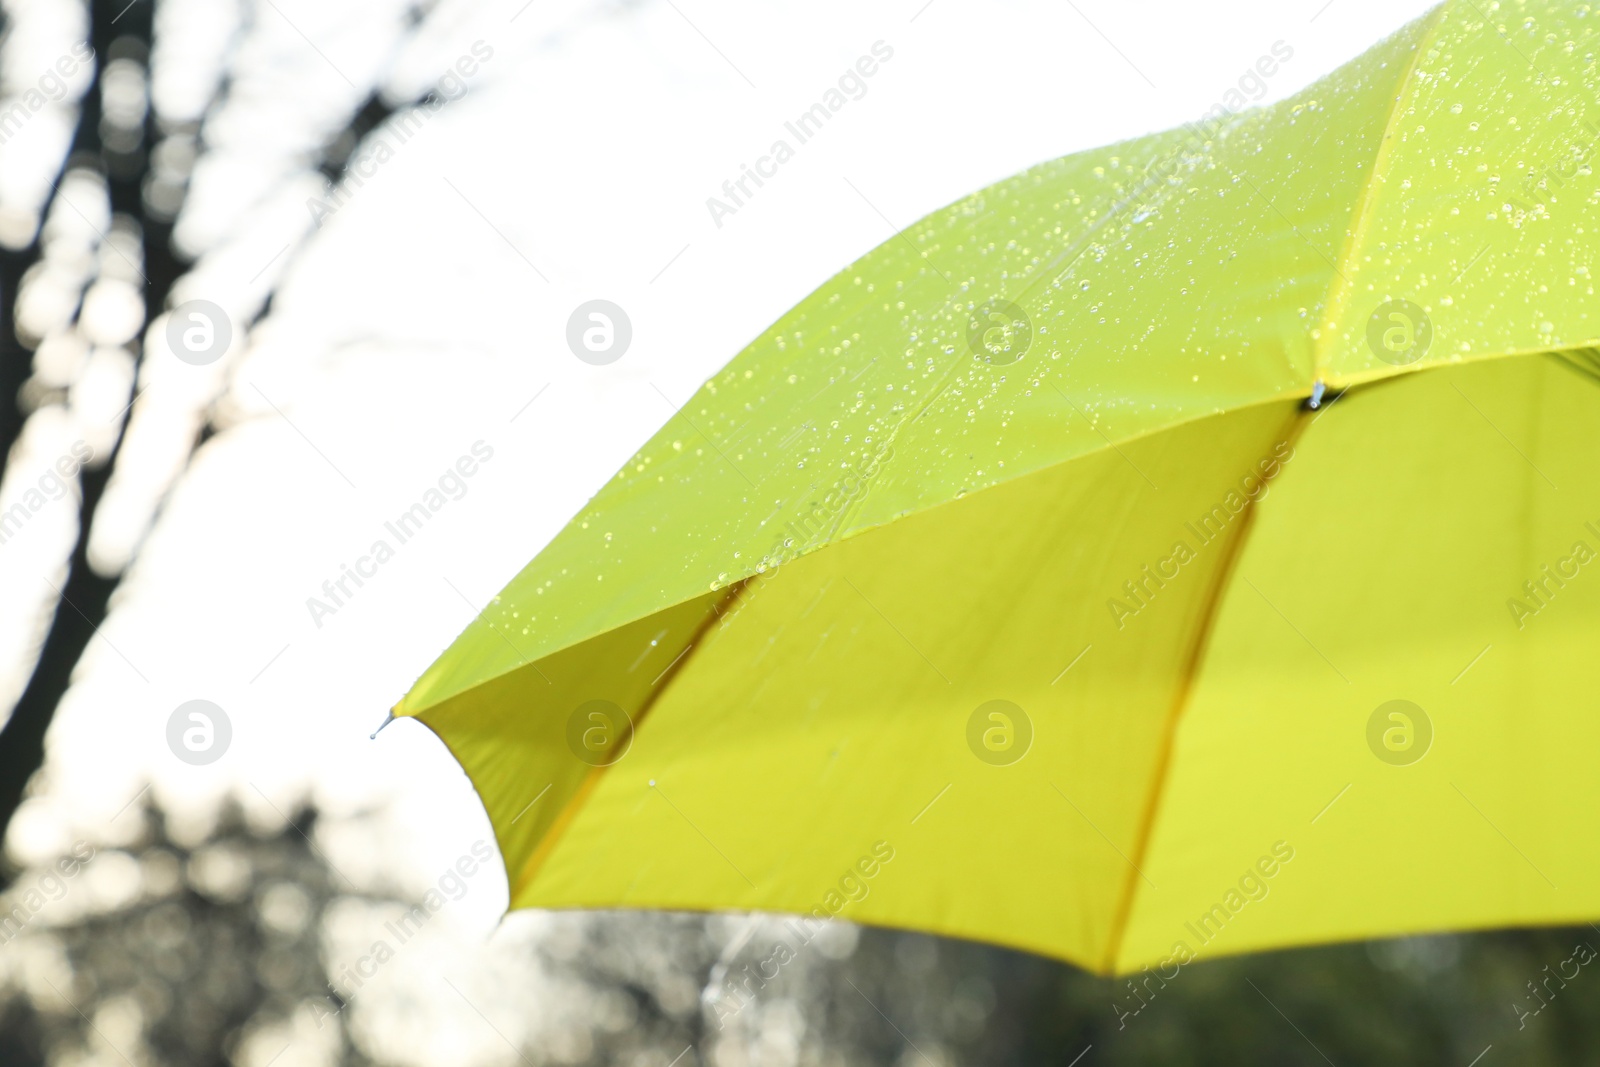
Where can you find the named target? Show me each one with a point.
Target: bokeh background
(395, 207)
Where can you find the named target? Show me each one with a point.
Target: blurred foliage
(216, 952)
(162, 953)
(1441, 999)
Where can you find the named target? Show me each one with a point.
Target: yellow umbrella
(1181, 548)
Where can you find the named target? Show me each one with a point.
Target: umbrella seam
(552, 837)
(1366, 201)
(1210, 609)
(1386, 374)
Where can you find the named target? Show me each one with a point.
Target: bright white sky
(431, 308)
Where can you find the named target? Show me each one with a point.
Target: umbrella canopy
(1180, 548)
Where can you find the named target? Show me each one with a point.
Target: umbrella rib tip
(373, 736)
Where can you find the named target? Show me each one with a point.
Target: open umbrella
(1180, 548)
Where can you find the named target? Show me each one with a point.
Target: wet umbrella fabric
(1186, 547)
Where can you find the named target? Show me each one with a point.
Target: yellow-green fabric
(1197, 588)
